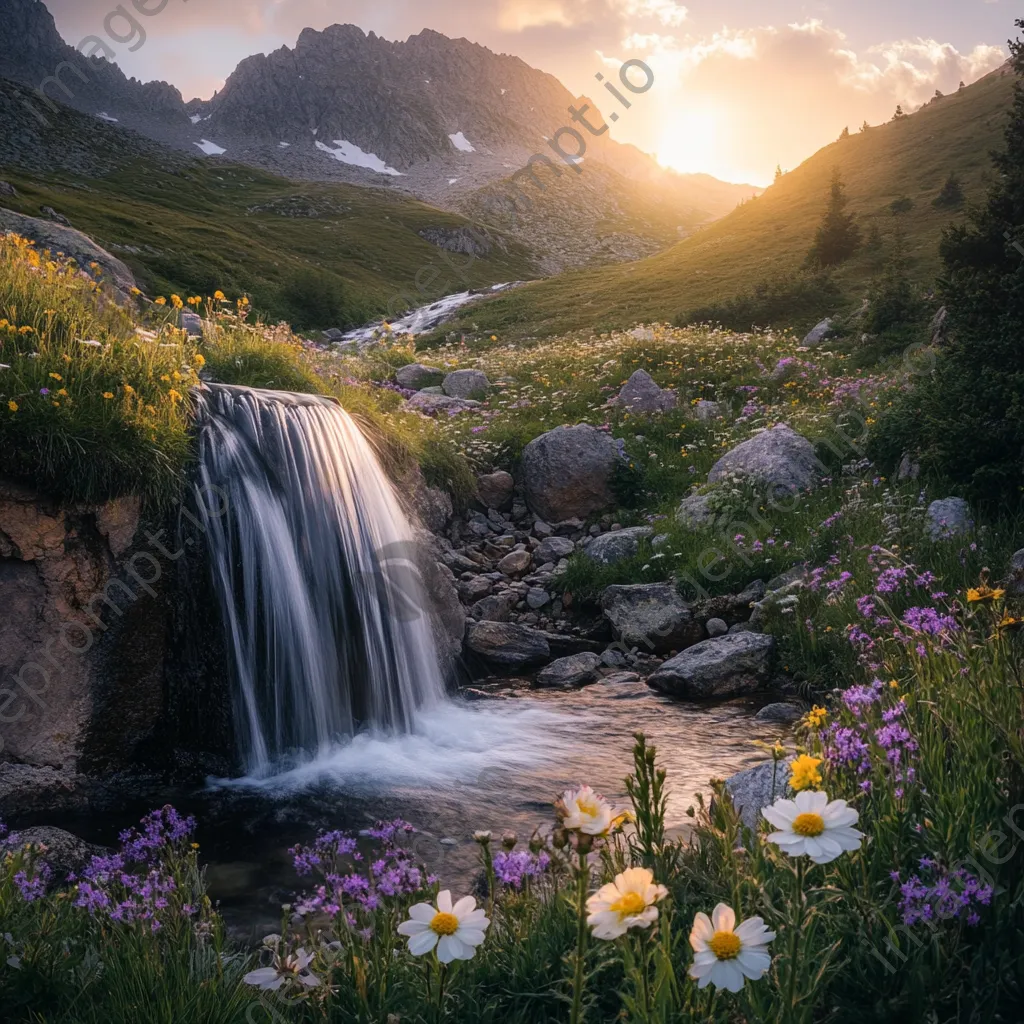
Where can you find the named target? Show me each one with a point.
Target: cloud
(668, 12)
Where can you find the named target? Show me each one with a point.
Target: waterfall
(324, 616)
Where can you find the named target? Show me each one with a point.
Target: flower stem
(794, 941)
(581, 939)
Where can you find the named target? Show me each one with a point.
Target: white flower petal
(444, 901)
(723, 918)
(702, 930)
(410, 928)
(422, 943)
(422, 912)
(465, 906)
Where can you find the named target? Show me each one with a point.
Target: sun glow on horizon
(694, 144)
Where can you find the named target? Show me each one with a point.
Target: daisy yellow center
(725, 945)
(808, 824)
(588, 807)
(628, 904)
(444, 924)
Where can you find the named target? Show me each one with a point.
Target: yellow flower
(199, 360)
(984, 593)
(165, 378)
(56, 405)
(56, 376)
(220, 296)
(805, 774)
(108, 395)
(176, 301)
(63, 392)
(815, 718)
(136, 291)
(12, 405)
(160, 301)
(128, 389)
(173, 395)
(26, 330)
(151, 409)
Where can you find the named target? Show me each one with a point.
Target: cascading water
(325, 636)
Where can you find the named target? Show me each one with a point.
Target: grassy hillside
(194, 225)
(769, 236)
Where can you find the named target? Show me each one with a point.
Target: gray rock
(542, 530)
(434, 389)
(63, 851)
(707, 411)
(416, 376)
(1015, 579)
(621, 679)
(515, 563)
(786, 579)
(610, 548)
(473, 590)
(568, 472)
(334, 335)
(467, 384)
(695, 512)
(190, 323)
(716, 627)
(640, 394)
(566, 673)
(783, 714)
(745, 627)
(728, 666)
(780, 460)
(432, 404)
(537, 598)
(7, 189)
(495, 490)
(51, 214)
(553, 549)
(508, 644)
(49, 235)
(757, 788)
(949, 517)
(908, 469)
(938, 326)
(432, 505)
(818, 334)
(651, 616)
(614, 658)
(495, 608)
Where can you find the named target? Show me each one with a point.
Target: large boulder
(495, 608)
(609, 548)
(63, 851)
(467, 384)
(83, 250)
(568, 472)
(756, 788)
(507, 644)
(651, 616)
(641, 395)
(779, 460)
(949, 517)
(553, 549)
(416, 376)
(818, 334)
(695, 512)
(728, 666)
(496, 490)
(433, 404)
(515, 563)
(566, 673)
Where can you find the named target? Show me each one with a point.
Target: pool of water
(489, 764)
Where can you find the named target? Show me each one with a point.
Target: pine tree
(962, 87)
(778, 173)
(966, 420)
(939, 94)
(951, 195)
(838, 236)
(865, 126)
(899, 112)
(845, 133)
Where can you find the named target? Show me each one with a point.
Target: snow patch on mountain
(106, 117)
(349, 153)
(210, 148)
(460, 142)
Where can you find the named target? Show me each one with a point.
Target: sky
(740, 86)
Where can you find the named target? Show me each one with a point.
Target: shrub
(838, 236)
(951, 195)
(805, 298)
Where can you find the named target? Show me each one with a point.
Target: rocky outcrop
(756, 788)
(496, 490)
(619, 545)
(728, 666)
(84, 632)
(569, 673)
(472, 384)
(461, 240)
(695, 512)
(640, 395)
(949, 517)
(63, 851)
(651, 616)
(780, 460)
(508, 645)
(58, 239)
(818, 334)
(434, 404)
(568, 472)
(416, 376)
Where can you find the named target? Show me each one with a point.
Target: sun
(695, 143)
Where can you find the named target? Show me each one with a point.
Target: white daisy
(811, 825)
(626, 903)
(584, 811)
(289, 968)
(723, 954)
(456, 930)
